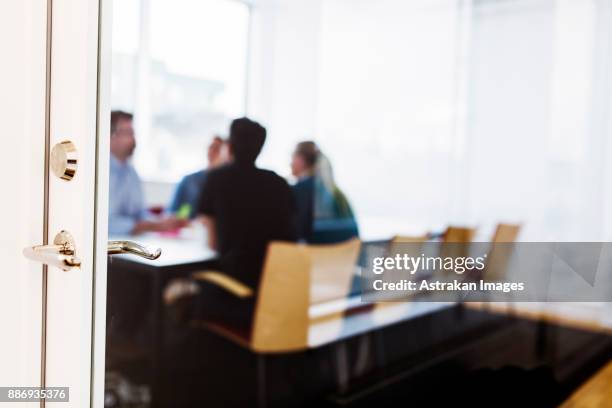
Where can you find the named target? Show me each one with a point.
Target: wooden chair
(333, 269)
(456, 235)
(459, 234)
(405, 244)
(396, 244)
(506, 233)
(294, 276)
(400, 243)
(406, 239)
(498, 258)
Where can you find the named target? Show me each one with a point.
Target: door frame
(98, 336)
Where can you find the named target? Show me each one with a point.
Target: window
(180, 66)
(452, 112)
(388, 107)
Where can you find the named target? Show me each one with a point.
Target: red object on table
(157, 209)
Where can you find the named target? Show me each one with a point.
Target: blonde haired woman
(324, 213)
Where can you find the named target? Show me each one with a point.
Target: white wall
(285, 39)
(387, 108)
(158, 193)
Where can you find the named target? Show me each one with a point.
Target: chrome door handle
(62, 254)
(129, 247)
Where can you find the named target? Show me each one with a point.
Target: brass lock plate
(64, 160)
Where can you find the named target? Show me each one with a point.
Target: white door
(52, 325)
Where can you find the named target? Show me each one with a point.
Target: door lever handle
(129, 247)
(61, 254)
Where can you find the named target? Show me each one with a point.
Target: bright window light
(180, 66)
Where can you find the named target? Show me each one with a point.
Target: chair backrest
(405, 239)
(498, 259)
(280, 323)
(293, 277)
(333, 270)
(460, 239)
(506, 232)
(459, 234)
(405, 245)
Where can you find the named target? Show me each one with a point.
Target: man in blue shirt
(185, 200)
(126, 210)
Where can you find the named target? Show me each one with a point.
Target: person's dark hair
(118, 115)
(309, 151)
(246, 139)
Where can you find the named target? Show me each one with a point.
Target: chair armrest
(223, 281)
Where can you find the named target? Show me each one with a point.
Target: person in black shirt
(244, 208)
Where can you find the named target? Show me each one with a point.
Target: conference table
(181, 256)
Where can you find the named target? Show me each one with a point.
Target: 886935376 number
(28, 394)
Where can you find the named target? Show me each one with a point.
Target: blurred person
(324, 213)
(244, 208)
(126, 209)
(187, 193)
